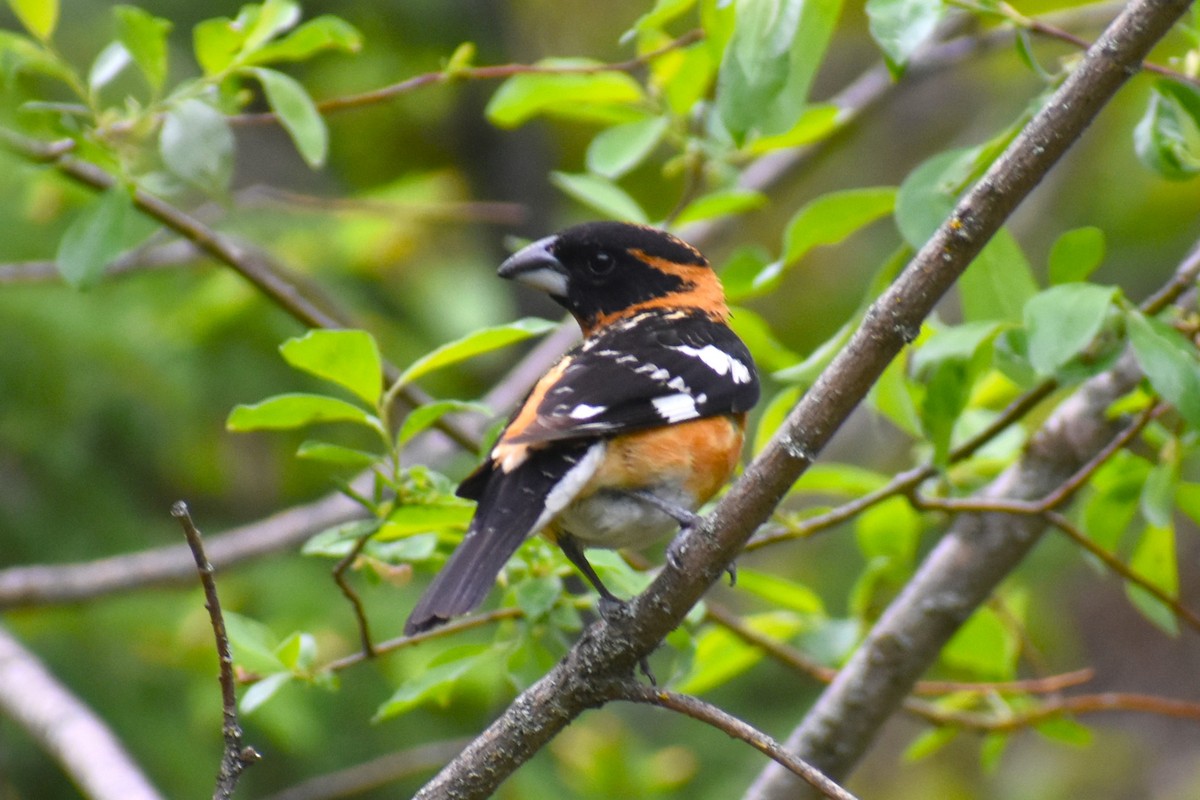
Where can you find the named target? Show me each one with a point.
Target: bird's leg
(686, 519)
(610, 606)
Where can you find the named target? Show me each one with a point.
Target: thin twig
(495, 72)
(237, 755)
(709, 714)
(1057, 707)
(360, 613)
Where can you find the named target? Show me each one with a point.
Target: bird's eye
(601, 264)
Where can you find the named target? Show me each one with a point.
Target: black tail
(465, 579)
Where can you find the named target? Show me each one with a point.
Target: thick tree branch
(66, 728)
(608, 652)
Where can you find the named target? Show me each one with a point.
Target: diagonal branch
(607, 653)
(66, 728)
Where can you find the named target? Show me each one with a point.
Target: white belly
(613, 519)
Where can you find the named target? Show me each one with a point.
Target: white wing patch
(676, 407)
(718, 361)
(584, 411)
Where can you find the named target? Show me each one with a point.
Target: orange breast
(697, 456)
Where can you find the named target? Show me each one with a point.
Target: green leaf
(720, 656)
(781, 592)
(196, 144)
(295, 411)
(145, 37)
(929, 743)
(253, 644)
(536, 596)
(274, 17)
(998, 283)
(769, 353)
(617, 150)
(890, 530)
(20, 54)
(845, 480)
(816, 122)
(947, 389)
(298, 652)
(339, 540)
(1115, 491)
(1167, 139)
(216, 43)
(345, 357)
(475, 343)
(596, 97)
(1063, 320)
(325, 32)
(422, 417)
(452, 513)
(263, 690)
(991, 749)
(899, 27)
(94, 238)
(894, 397)
(927, 195)
(721, 203)
(297, 113)
(336, 454)
(954, 342)
(38, 16)
(773, 415)
(740, 269)
(984, 647)
(433, 682)
(1064, 730)
(805, 373)
(1169, 361)
(1158, 493)
(601, 195)
(770, 62)
(1076, 254)
(827, 220)
(107, 65)
(1154, 560)
(663, 12)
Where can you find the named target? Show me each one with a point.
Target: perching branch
(594, 670)
(70, 732)
(237, 755)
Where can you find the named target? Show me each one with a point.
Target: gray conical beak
(535, 265)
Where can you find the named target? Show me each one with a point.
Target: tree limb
(66, 728)
(607, 653)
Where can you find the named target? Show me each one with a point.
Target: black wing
(658, 369)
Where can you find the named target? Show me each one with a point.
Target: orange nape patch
(700, 455)
(701, 290)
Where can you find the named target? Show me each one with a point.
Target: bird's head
(605, 271)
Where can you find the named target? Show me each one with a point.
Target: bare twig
(360, 613)
(1057, 707)
(237, 755)
(63, 725)
(737, 729)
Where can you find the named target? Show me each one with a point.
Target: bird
(628, 434)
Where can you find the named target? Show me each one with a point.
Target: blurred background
(113, 402)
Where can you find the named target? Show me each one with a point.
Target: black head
(603, 269)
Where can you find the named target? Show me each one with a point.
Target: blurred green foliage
(115, 389)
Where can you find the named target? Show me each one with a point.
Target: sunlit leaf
(476, 343)
(323, 33)
(780, 592)
(816, 122)
(998, 283)
(600, 96)
(336, 454)
(253, 644)
(274, 17)
(345, 357)
(720, 656)
(453, 513)
(985, 646)
(107, 65)
(263, 690)
(298, 652)
(1155, 561)
(296, 411)
(720, 204)
(216, 43)
(929, 743)
(422, 417)
(38, 16)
